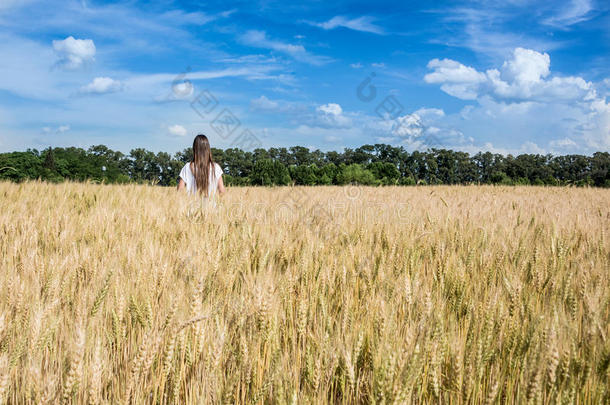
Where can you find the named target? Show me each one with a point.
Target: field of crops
(135, 294)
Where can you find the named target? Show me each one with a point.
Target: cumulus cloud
(331, 109)
(73, 53)
(523, 77)
(527, 66)
(331, 115)
(177, 130)
(102, 85)
(409, 126)
(456, 79)
(523, 97)
(364, 24)
(424, 129)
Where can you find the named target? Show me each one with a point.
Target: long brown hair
(202, 163)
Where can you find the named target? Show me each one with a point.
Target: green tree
(267, 172)
(385, 172)
(300, 156)
(19, 166)
(368, 164)
(600, 169)
(304, 174)
(356, 174)
(327, 174)
(49, 160)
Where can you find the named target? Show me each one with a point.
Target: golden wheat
(137, 294)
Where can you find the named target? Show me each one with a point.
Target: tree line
(378, 164)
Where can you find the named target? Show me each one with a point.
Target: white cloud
(424, 129)
(127, 29)
(562, 143)
(532, 147)
(450, 71)
(526, 147)
(571, 13)
(355, 65)
(331, 116)
(194, 18)
(596, 129)
(332, 139)
(73, 53)
(182, 90)
(364, 24)
(456, 79)
(523, 77)
(177, 130)
(24, 71)
(487, 28)
(102, 85)
(298, 112)
(259, 39)
(603, 88)
(430, 113)
(523, 103)
(527, 66)
(58, 130)
(494, 125)
(331, 108)
(228, 13)
(329, 134)
(409, 126)
(171, 86)
(262, 103)
(557, 127)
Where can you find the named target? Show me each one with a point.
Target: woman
(201, 174)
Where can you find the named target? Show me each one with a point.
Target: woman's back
(187, 175)
(201, 172)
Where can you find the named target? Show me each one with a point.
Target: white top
(191, 186)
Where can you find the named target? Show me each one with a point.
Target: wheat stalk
(497, 296)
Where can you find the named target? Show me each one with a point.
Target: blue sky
(512, 76)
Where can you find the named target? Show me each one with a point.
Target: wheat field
(136, 294)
